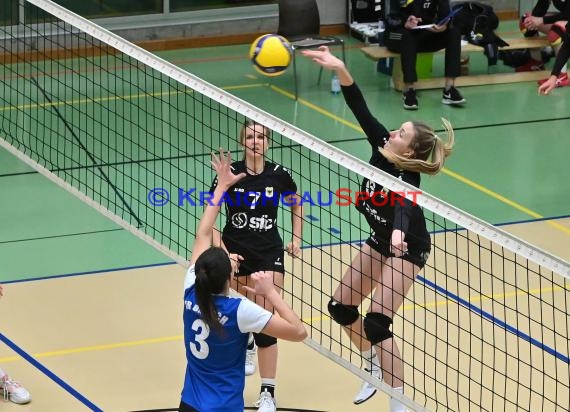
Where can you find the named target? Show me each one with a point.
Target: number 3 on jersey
(199, 347)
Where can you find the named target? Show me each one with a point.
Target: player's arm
(353, 97)
(294, 247)
(226, 179)
(284, 324)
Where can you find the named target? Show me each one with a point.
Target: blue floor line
(50, 374)
(495, 320)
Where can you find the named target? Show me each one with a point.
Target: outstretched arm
(226, 179)
(323, 57)
(373, 129)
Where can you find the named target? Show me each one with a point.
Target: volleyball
(270, 54)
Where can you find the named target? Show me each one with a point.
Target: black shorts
(184, 407)
(271, 261)
(417, 254)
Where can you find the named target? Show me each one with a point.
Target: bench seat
(377, 52)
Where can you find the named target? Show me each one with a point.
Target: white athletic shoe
(250, 356)
(13, 391)
(265, 402)
(367, 390)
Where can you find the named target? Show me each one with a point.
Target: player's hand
(222, 165)
(293, 248)
(548, 85)
(262, 283)
(397, 244)
(323, 57)
(235, 260)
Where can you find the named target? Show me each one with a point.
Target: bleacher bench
(376, 52)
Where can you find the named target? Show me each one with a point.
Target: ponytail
(212, 269)
(426, 145)
(205, 300)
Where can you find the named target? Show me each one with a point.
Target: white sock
(396, 405)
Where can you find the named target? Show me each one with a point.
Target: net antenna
(130, 134)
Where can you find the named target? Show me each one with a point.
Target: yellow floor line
(96, 348)
(505, 200)
(309, 320)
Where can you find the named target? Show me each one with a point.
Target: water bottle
(380, 34)
(335, 84)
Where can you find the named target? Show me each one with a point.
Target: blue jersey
(215, 374)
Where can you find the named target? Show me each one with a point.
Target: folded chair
(300, 23)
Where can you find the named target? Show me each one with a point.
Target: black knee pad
(343, 314)
(377, 327)
(264, 341)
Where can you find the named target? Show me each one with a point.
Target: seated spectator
(403, 37)
(553, 25)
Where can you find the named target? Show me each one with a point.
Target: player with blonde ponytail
(399, 244)
(425, 144)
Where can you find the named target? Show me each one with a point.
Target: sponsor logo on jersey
(258, 224)
(239, 220)
(269, 191)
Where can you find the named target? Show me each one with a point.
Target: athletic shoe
(410, 100)
(530, 66)
(367, 390)
(562, 80)
(13, 391)
(265, 402)
(452, 96)
(250, 356)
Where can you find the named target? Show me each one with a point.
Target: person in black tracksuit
(401, 37)
(399, 243)
(251, 235)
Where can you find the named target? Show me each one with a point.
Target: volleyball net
(486, 324)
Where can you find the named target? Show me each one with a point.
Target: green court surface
(510, 163)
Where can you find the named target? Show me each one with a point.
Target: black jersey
(402, 214)
(251, 209)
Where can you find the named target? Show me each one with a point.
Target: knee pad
(377, 327)
(264, 341)
(343, 314)
(556, 33)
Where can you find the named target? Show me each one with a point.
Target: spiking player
(399, 244)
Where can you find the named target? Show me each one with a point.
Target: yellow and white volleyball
(270, 54)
